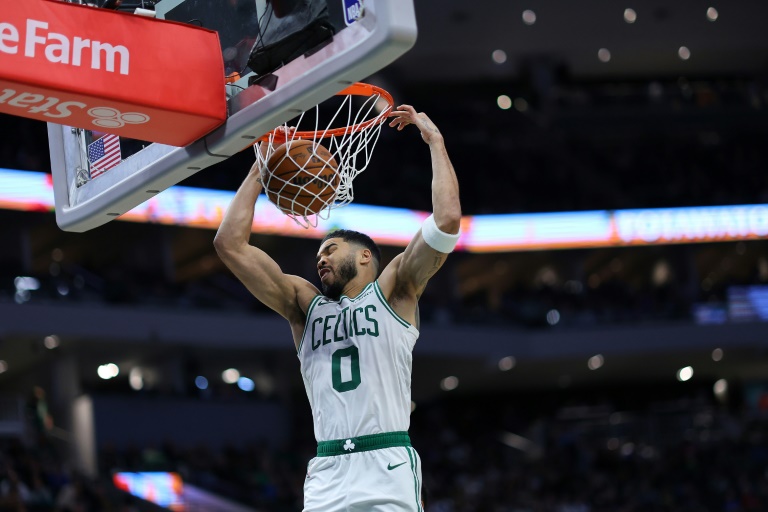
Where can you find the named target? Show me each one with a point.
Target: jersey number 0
(336, 358)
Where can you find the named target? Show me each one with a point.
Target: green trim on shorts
(312, 303)
(416, 485)
(383, 300)
(362, 443)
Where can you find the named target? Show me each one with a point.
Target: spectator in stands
(78, 496)
(13, 492)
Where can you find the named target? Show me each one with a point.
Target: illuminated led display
(204, 208)
(164, 489)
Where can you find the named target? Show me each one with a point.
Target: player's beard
(346, 272)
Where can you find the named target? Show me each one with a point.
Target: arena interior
(630, 377)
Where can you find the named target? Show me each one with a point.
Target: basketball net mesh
(351, 148)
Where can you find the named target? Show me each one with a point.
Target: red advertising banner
(97, 69)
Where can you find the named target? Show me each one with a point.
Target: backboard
(369, 36)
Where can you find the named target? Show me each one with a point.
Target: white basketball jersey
(356, 363)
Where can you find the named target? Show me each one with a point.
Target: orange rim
(356, 89)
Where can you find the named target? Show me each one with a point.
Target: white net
(312, 172)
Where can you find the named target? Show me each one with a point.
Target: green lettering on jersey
(326, 327)
(315, 342)
(344, 326)
(375, 331)
(344, 321)
(359, 332)
(336, 336)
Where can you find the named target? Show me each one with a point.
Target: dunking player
(354, 340)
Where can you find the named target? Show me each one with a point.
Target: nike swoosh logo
(391, 467)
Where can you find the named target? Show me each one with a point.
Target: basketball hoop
(350, 135)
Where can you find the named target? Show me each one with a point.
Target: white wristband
(436, 239)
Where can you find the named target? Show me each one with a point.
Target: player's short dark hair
(357, 238)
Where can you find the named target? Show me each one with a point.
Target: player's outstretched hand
(282, 133)
(264, 149)
(406, 114)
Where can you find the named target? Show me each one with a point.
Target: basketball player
(354, 340)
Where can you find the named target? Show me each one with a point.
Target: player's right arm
(287, 295)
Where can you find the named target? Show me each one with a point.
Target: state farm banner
(115, 72)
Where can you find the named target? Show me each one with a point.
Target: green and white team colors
(356, 356)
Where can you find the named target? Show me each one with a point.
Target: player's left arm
(430, 247)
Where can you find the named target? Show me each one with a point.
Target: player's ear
(366, 256)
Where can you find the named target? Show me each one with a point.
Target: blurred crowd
(268, 478)
(689, 460)
(531, 290)
(627, 449)
(35, 478)
(485, 454)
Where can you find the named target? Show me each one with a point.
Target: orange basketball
(302, 181)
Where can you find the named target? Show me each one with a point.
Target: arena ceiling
(457, 39)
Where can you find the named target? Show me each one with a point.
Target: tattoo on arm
(436, 264)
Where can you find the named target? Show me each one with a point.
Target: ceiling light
(720, 388)
(26, 283)
(507, 363)
(684, 374)
(661, 273)
(246, 384)
(51, 342)
(499, 56)
(712, 14)
(595, 362)
(108, 371)
(230, 376)
(603, 54)
(449, 383)
(717, 354)
(553, 317)
(684, 53)
(136, 378)
(504, 102)
(630, 16)
(529, 17)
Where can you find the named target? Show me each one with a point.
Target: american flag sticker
(104, 154)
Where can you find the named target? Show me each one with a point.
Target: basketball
(302, 177)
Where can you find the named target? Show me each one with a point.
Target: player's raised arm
(429, 249)
(287, 295)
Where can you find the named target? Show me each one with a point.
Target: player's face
(336, 266)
